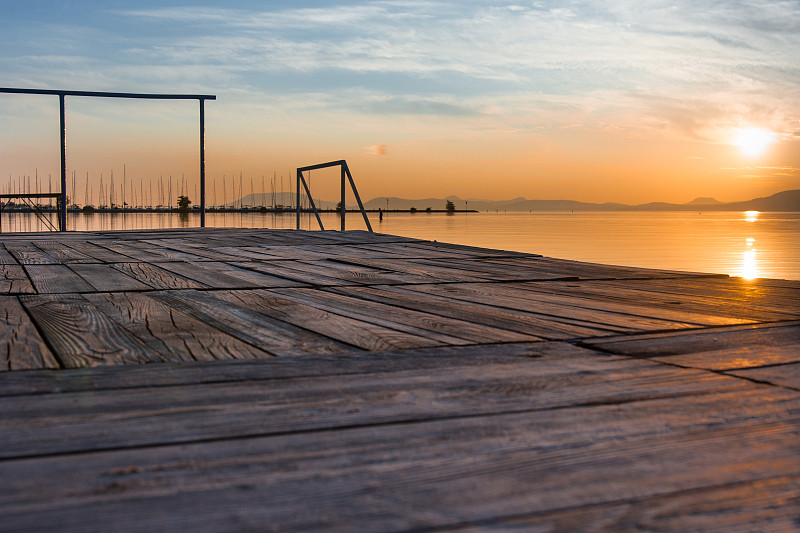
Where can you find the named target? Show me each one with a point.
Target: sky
(627, 101)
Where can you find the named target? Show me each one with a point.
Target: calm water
(736, 243)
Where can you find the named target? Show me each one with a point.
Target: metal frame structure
(98, 94)
(345, 171)
(33, 206)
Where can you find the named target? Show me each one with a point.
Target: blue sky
(556, 97)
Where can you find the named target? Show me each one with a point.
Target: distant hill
(704, 200)
(782, 201)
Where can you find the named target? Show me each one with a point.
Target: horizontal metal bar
(102, 94)
(321, 165)
(32, 195)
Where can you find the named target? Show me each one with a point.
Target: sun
(753, 141)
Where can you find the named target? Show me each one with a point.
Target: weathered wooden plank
(268, 334)
(494, 272)
(95, 250)
(637, 312)
(717, 348)
(253, 278)
(106, 278)
(488, 315)
(130, 251)
(226, 276)
(350, 272)
(762, 505)
(50, 279)
(431, 474)
(734, 300)
(5, 257)
(156, 277)
(783, 375)
(96, 420)
(174, 335)
(446, 329)
(168, 252)
(351, 364)
(366, 335)
(285, 269)
(28, 254)
(604, 272)
(205, 276)
(62, 253)
(21, 346)
(83, 336)
(199, 249)
(300, 253)
(247, 253)
(14, 280)
(561, 308)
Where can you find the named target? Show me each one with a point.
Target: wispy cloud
(679, 60)
(686, 68)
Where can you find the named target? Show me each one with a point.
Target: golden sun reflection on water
(749, 263)
(751, 216)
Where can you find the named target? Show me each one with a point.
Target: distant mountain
(704, 200)
(782, 201)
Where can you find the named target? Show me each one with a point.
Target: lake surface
(747, 244)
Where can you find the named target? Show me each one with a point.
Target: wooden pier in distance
(268, 380)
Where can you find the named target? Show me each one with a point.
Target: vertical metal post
(202, 163)
(358, 198)
(62, 219)
(297, 205)
(342, 207)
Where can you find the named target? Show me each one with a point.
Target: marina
(235, 379)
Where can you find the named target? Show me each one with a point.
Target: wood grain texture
(63, 253)
(51, 279)
(104, 278)
(156, 277)
(733, 297)
(174, 335)
(365, 335)
(21, 346)
(487, 315)
(562, 308)
(449, 330)
(96, 251)
(740, 506)
(95, 420)
(83, 336)
(271, 335)
(14, 280)
(5, 257)
(432, 474)
(27, 254)
(342, 365)
(692, 343)
(781, 375)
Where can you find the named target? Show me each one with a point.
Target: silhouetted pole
(343, 209)
(297, 205)
(202, 163)
(62, 214)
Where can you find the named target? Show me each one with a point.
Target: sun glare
(753, 141)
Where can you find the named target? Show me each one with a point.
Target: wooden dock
(258, 380)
